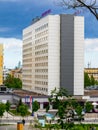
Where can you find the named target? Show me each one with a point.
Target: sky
(15, 15)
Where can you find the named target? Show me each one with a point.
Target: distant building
(92, 71)
(1, 64)
(16, 73)
(6, 72)
(53, 54)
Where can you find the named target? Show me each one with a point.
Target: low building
(92, 71)
(27, 97)
(6, 72)
(16, 73)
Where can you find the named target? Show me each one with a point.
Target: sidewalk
(10, 119)
(14, 127)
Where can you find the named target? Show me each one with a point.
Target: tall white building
(53, 54)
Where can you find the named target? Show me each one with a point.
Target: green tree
(2, 109)
(87, 81)
(88, 106)
(35, 106)
(12, 82)
(19, 104)
(78, 110)
(96, 82)
(7, 107)
(66, 107)
(23, 109)
(92, 80)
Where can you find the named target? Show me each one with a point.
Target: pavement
(14, 127)
(10, 119)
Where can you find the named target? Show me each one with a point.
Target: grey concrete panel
(67, 52)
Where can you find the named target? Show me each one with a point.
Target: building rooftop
(91, 68)
(24, 93)
(91, 93)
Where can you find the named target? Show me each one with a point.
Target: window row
(41, 70)
(41, 64)
(27, 50)
(27, 60)
(41, 34)
(27, 45)
(27, 71)
(41, 40)
(27, 39)
(42, 58)
(41, 27)
(41, 52)
(27, 81)
(39, 88)
(41, 76)
(27, 34)
(41, 82)
(27, 76)
(26, 86)
(27, 65)
(41, 46)
(27, 55)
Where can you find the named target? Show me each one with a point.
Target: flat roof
(91, 93)
(24, 93)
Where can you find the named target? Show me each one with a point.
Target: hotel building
(53, 54)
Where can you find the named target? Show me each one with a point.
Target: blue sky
(15, 15)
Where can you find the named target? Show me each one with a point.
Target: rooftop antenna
(89, 64)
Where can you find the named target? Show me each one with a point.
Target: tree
(23, 109)
(12, 82)
(87, 81)
(66, 106)
(35, 106)
(88, 106)
(91, 5)
(2, 109)
(7, 106)
(19, 104)
(78, 111)
(92, 80)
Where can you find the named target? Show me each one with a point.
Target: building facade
(16, 73)
(1, 64)
(6, 72)
(92, 71)
(53, 54)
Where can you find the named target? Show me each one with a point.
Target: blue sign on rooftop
(46, 13)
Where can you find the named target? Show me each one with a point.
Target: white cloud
(11, 43)
(91, 44)
(4, 29)
(12, 51)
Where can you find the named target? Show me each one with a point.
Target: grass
(85, 127)
(15, 113)
(75, 127)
